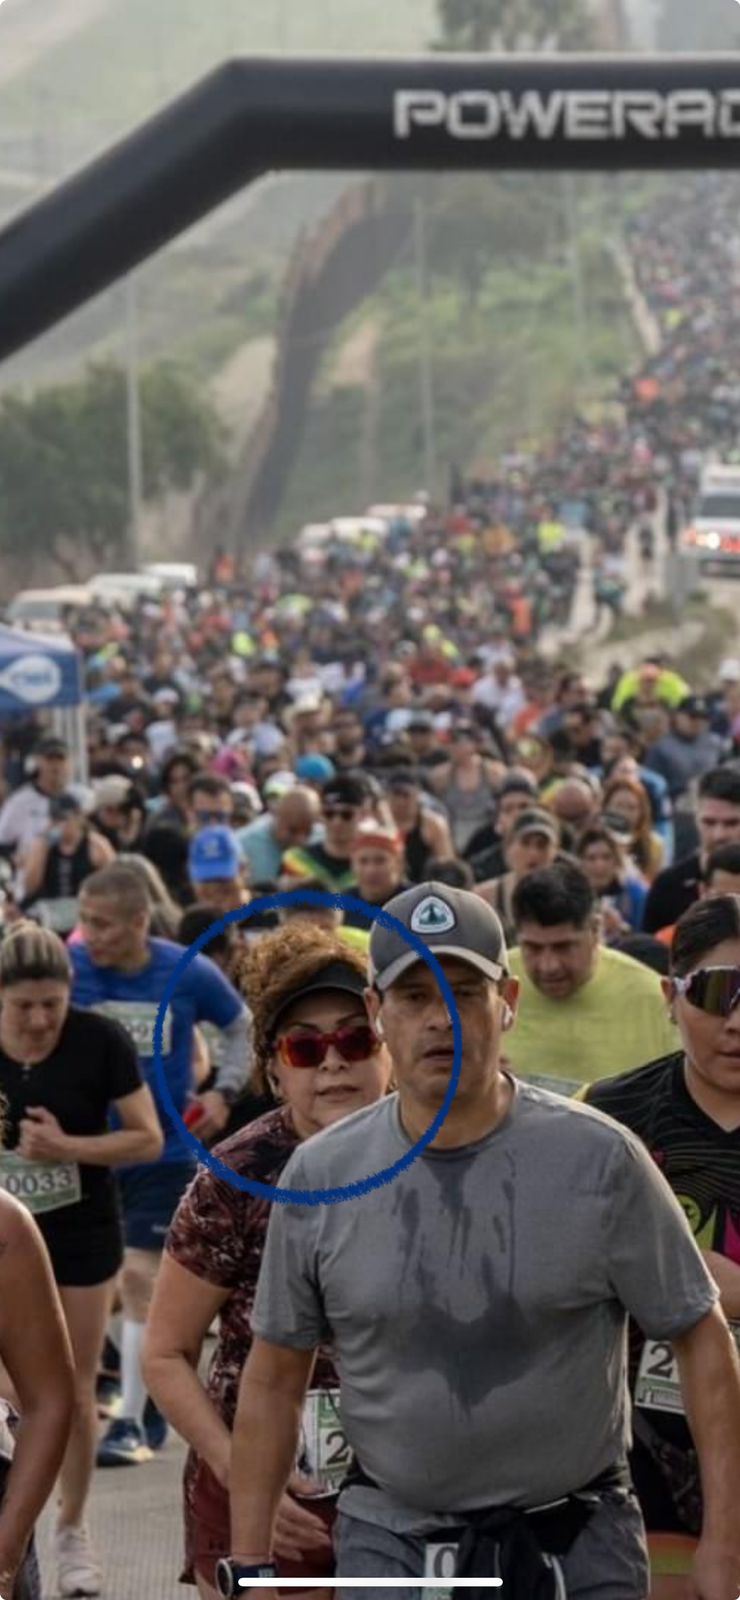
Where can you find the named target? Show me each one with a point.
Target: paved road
(136, 1524)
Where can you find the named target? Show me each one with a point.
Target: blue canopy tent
(40, 674)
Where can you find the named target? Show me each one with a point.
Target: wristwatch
(232, 1578)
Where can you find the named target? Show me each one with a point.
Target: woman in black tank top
(59, 862)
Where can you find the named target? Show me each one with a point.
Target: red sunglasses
(354, 1042)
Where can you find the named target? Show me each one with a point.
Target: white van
(173, 574)
(124, 588)
(44, 610)
(712, 539)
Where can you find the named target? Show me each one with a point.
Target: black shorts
(85, 1244)
(150, 1196)
(78, 1264)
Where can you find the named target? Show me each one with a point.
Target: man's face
(249, 712)
(220, 895)
(404, 806)
(687, 726)
(559, 960)
(54, 773)
(422, 741)
(530, 853)
(340, 822)
(213, 810)
(580, 730)
(418, 1030)
(347, 733)
(378, 873)
(511, 806)
(574, 692)
(293, 824)
(718, 822)
(113, 937)
(648, 687)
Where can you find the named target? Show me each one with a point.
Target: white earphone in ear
(508, 1018)
(379, 1029)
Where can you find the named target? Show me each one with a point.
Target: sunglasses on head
(354, 1042)
(713, 990)
(344, 813)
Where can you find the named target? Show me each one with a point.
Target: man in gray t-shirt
(477, 1304)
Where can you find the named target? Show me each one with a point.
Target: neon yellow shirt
(616, 1021)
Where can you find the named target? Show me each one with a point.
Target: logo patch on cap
(432, 916)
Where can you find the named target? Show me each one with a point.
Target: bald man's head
(575, 802)
(295, 816)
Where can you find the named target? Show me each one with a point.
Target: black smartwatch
(232, 1578)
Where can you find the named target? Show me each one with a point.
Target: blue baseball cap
(314, 769)
(214, 854)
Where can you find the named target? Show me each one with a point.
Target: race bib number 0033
(138, 1017)
(324, 1451)
(658, 1387)
(40, 1185)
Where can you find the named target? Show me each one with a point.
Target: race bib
(138, 1018)
(324, 1452)
(40, 1185)
(565, 1086)
(59, 915)
(440, 1560)
(658, 1387)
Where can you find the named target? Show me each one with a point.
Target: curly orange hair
(276, 967)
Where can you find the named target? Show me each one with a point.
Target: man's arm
(710, 1383)
(265, 1441)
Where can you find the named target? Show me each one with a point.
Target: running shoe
(123, 1445)
(155, 1426)
(78, 1572)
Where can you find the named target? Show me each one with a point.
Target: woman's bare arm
(35, 1350)
(180, 1315)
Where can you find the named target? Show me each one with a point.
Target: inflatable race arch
(253, 116)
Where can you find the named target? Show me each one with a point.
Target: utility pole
(426, 378)
(576, 267)
(133, 422)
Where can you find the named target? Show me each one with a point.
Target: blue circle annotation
(273, 1192)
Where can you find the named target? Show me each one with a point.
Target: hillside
(511, 352)
(108, 64)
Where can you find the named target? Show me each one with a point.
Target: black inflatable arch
(252, 116)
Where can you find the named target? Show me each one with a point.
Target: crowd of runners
(431, 1379)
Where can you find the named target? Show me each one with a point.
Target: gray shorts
(608, 1560)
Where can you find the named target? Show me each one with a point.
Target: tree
(478, 221)
(484, 25)
(63, 461)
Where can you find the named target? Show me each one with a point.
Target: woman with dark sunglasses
(315, 1049)
(686, 1109)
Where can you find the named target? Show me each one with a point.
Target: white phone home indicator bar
(374, 1583)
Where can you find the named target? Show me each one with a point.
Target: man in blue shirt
(292, 823)
(121, 971)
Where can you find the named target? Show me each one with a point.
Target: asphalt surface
(136, 1525)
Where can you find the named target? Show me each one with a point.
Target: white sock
(133, 1398)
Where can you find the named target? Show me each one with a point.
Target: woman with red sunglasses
(686, 1109)
(315, 1049)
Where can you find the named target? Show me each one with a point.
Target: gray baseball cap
(452, 922)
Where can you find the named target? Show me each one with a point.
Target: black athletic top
(699, 1159)
(76, 1207)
